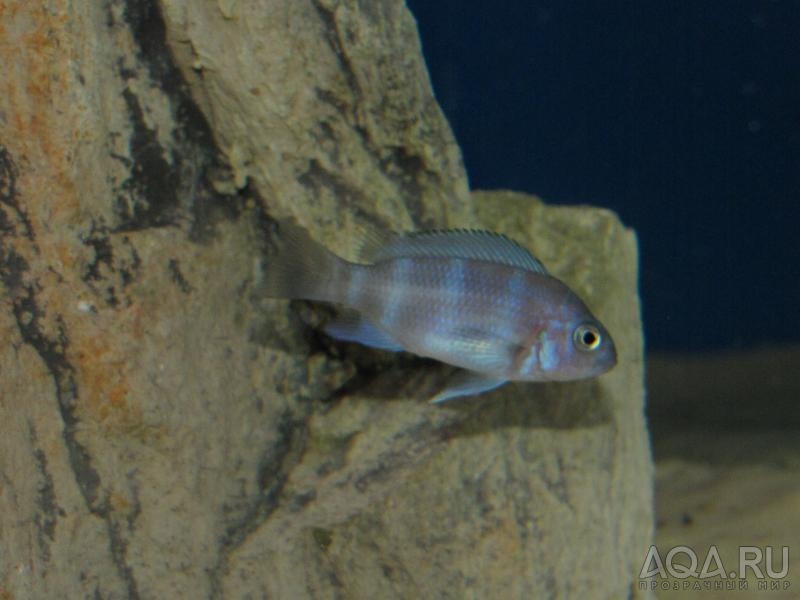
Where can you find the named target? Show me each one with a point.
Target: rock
(169, 433)
(325, 108)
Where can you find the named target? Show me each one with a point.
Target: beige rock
(326, 108)
(167, 433)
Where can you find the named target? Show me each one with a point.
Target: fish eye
(587, 337)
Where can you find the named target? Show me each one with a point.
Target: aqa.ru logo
(750, 557)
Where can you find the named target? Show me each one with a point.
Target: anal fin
(467, 383)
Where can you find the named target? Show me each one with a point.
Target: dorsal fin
(470, 244)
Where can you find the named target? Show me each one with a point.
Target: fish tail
(303, 268)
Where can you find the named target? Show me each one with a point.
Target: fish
(470, 298)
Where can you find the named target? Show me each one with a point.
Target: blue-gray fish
(470, 298)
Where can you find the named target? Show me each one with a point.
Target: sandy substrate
(726, 439)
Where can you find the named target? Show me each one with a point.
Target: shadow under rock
(573, 405)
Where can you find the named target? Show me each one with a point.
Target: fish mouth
(612, 351)
(606, 361)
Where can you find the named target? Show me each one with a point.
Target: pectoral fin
(350, 327)
(467, 383)
(487, 352)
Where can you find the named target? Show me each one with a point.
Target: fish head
(569, 344)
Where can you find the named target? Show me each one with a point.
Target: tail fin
(303, 268)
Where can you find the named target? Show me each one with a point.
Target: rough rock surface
(166, 432)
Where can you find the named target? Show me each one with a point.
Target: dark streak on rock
(47, 515)
(317, 178)
(406, 170)
(338, 46)
(100, 241)
(137, 505)
(52, 349)
(407, 447)
(119, 549)
(123, 160)
(128, 272)
(171, 184)
(149, 30)
(208, 207)
(53, 354)
(117, 542)
(336, 456)
(300, 501)
(474, 487)
(323, 537)
(97, 239)
(177, 277)
(273, 473)
(8, 198)
(166, 183)
(379, 373)
(365, 375)
(152, 189)
(381, 471)
(328, 19)
(398, 165)
(274, 465)
(328, 97)
(558, 486)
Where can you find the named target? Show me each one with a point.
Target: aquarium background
(681, 117)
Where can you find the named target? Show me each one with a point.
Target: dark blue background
(683, 117)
